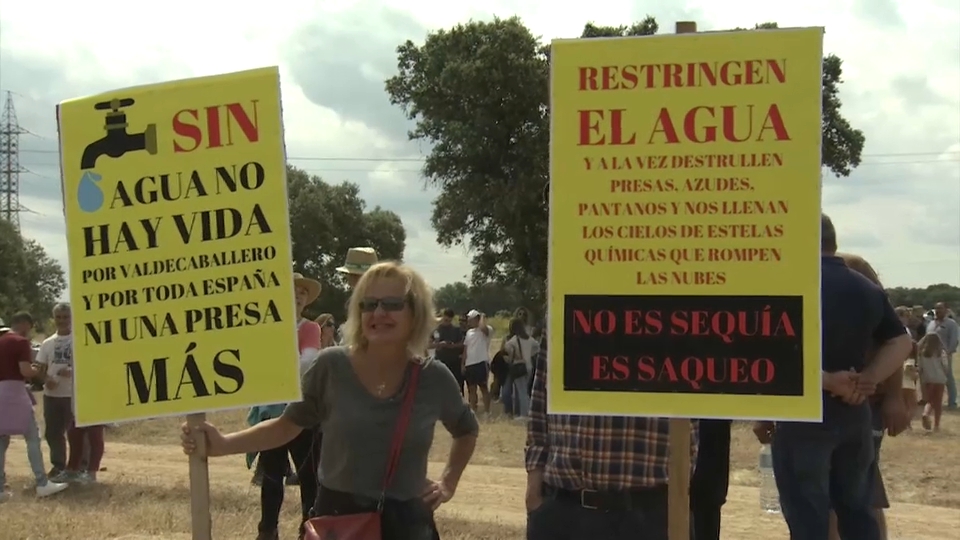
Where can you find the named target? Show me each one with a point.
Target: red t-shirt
(14, 349)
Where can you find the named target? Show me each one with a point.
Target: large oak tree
(479, 96)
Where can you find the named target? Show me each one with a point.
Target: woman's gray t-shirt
(358, 427)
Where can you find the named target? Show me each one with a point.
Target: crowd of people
(375, 386)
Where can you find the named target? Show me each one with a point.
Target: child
(932, 363)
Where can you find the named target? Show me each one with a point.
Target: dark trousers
(57, 419)
(305, 451)
(819, 467)
(400, 520)
(454, 367)
(711, 479)
(562, 516)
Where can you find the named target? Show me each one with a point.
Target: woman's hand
(436, 494)
(215, 442)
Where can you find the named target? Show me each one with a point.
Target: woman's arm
(460, 453)
(266, 435)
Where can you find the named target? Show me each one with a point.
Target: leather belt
(606, 500)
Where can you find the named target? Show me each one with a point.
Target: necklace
(380, 388)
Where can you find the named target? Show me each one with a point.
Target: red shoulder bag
(366, 526)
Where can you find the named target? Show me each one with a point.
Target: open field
(144, 490)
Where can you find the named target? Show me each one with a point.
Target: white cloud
(901, 208)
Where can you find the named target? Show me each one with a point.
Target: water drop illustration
(89, 194)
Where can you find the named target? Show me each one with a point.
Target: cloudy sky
(901, 208)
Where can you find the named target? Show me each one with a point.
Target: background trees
(325, 221)
(30, 280)
(479, 95)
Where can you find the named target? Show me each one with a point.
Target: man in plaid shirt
(594, 477)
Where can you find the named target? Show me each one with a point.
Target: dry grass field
(144, 491)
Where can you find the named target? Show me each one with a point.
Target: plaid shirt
(603, 453)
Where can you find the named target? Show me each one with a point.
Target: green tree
(455, 296)
(30, 280)
(479, 96)
(490, 298)
(927, 296)
(325, 221)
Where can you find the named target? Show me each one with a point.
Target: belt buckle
(583, 499)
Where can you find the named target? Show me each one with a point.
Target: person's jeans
(57, 419)
(818, 467)
(305, 451)
(34, 454)
(564, 519)
(506, 395)
(951, 383)
(521, 400)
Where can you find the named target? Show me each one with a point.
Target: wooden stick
(200, 519)
(678, 490)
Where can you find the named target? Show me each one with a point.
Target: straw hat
(313, 287)
(359, 260)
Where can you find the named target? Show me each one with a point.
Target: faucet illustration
(117, 141)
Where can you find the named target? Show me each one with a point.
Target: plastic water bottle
(769, 496)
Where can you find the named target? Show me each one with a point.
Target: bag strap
(400, 432)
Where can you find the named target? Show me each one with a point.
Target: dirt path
(494, 495)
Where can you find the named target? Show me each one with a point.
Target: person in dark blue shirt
(819, 466)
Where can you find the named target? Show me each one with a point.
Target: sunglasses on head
(328, 324)
(390, 303)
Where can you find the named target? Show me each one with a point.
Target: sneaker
(62, 477)
(5, 496)
(50, 488)
(84, 478)
(54, 472)
(271, 535)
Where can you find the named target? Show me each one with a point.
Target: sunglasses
(389, 304)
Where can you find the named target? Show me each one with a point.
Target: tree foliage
(927, 296)
(325, 221)
(490, 298)
(479, 96)
(30, 280)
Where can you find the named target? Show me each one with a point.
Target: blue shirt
(856, 318)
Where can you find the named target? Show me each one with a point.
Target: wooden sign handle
(200, 518)
(678, 490)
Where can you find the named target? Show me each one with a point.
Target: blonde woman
(355, 393)
(328, 330)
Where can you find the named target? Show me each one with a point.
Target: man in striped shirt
(595, 476)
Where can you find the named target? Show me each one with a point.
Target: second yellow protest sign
(178, 235)
(684, 223)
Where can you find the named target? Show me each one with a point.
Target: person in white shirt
(56, 360)
(476, 359)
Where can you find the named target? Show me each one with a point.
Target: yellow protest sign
(179, 243)
(684, 225)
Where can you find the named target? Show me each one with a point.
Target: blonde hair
(323, 319)
(860, 265)
(930, 341)
(418, 295)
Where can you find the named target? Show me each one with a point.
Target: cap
(473, 313)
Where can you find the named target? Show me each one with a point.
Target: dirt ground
(144, 492)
